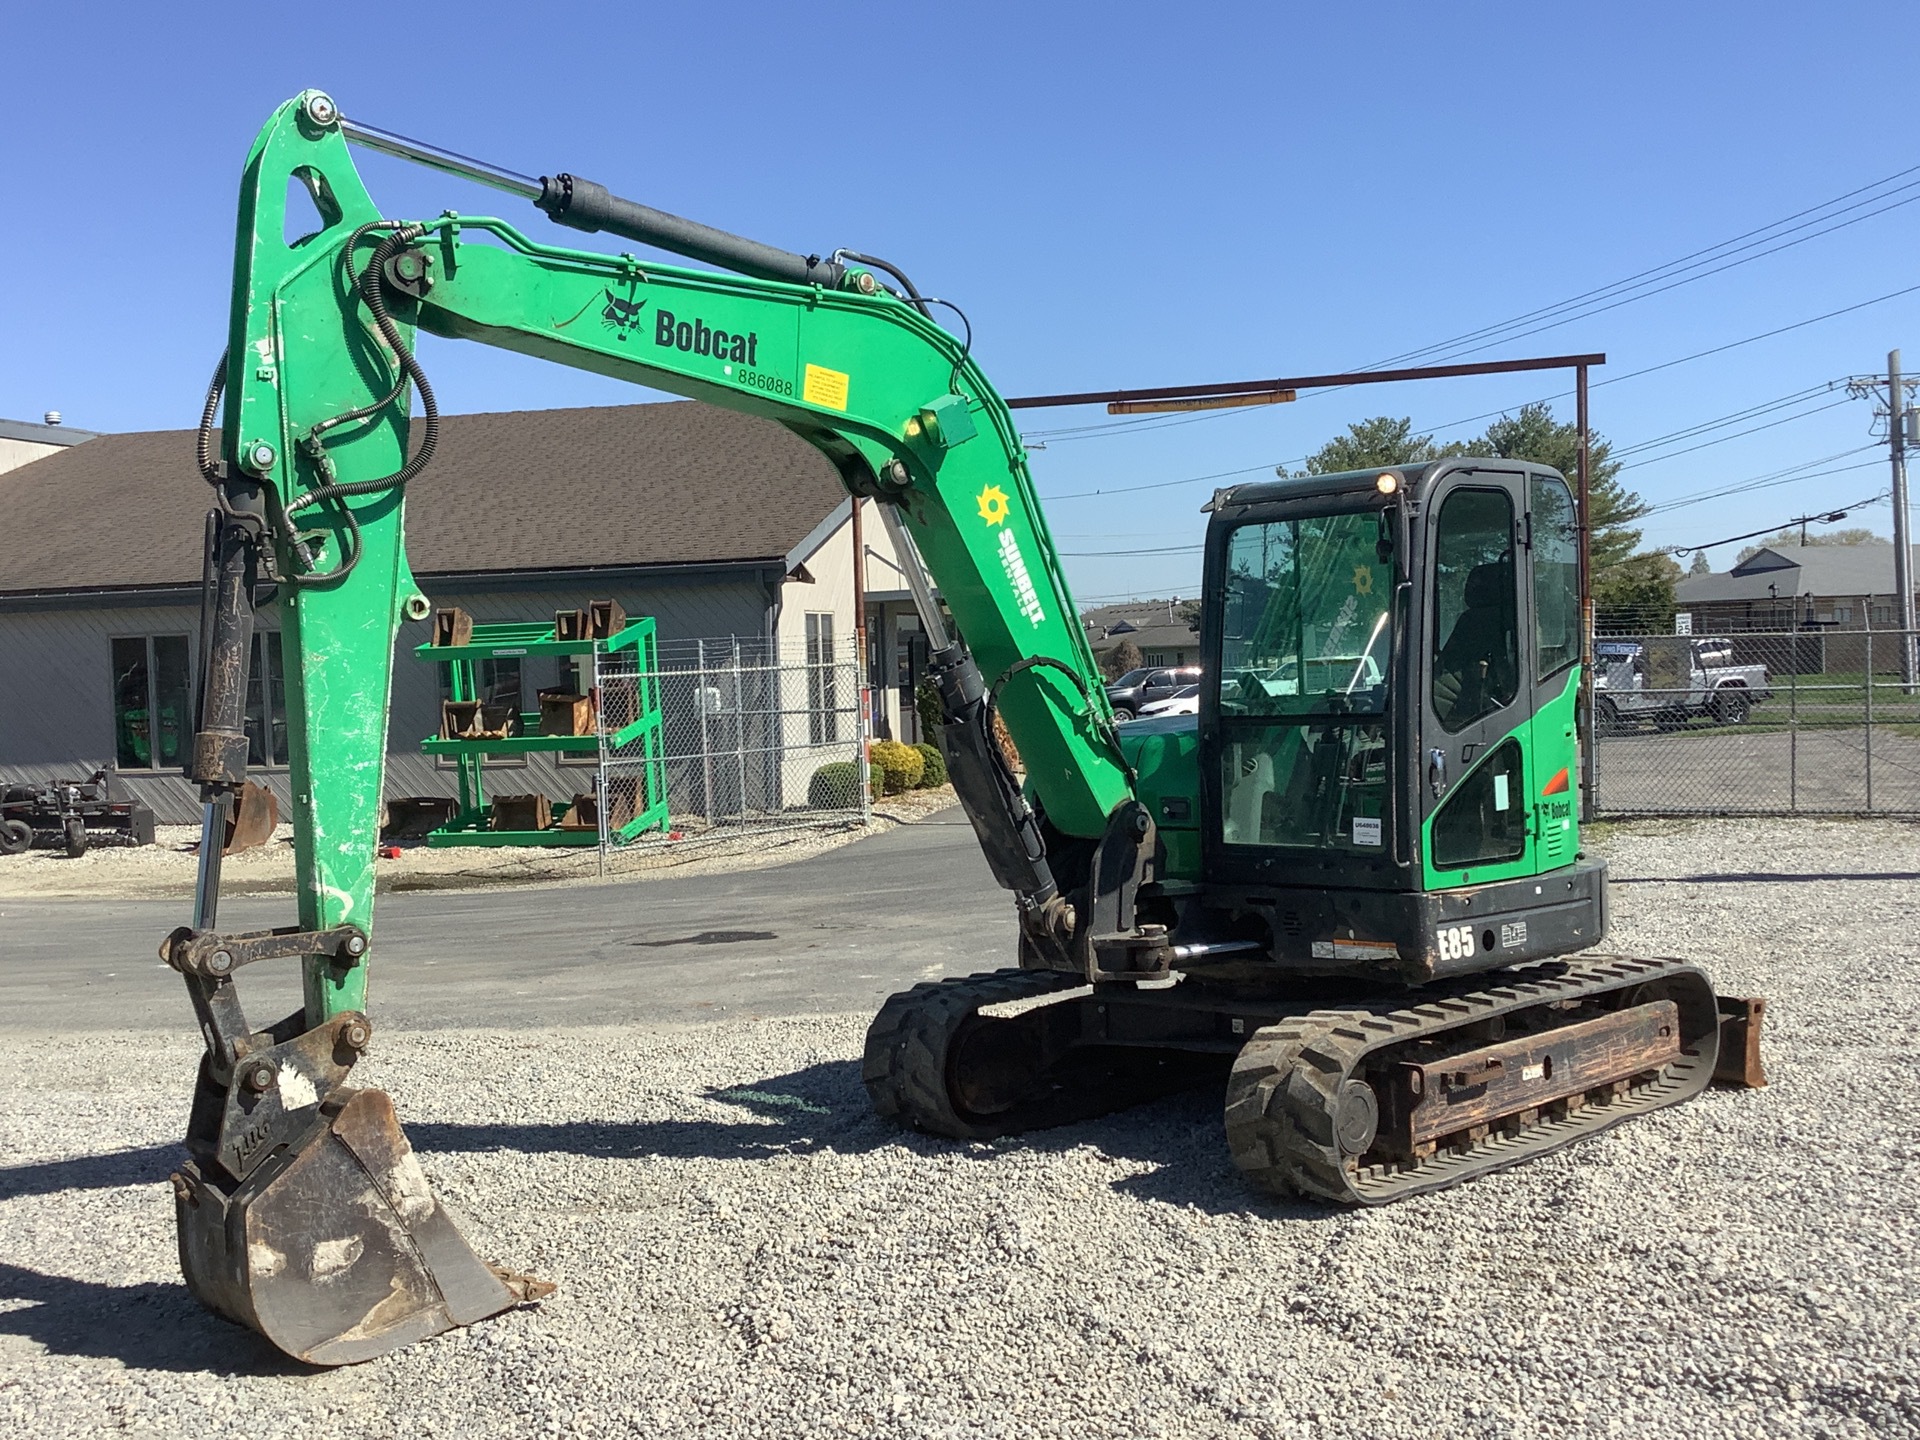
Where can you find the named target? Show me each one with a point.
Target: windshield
(1305, 629)
(1132, 677)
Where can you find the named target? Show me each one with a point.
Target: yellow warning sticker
(824, 387)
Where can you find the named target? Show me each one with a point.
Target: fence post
(1869, 745)
(739, 728)
(1793, 731)
(603, 780)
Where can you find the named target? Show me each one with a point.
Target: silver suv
(1146, 685)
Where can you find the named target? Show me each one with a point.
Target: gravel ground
(742, 1250)
(165, 869)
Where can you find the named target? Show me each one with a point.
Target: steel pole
(1902, 540)
(1588, 769)
(860, 690)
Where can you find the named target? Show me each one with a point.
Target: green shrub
(834, 786)
(926, 700)
(900, 766)
(935, 775)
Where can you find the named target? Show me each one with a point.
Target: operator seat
(1476, 669)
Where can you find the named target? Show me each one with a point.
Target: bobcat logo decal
(621, 316)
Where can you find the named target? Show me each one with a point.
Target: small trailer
(67, 812)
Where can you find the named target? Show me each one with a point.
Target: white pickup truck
(1671, 679)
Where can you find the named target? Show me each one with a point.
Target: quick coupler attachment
(303, 1213)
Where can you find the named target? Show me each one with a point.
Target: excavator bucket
(336, 1249)
(252, 820)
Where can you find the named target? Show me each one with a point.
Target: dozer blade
(336, 1248)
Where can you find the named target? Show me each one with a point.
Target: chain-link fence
(1775, 722)
(750, 738)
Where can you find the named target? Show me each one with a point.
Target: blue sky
(1117, 195)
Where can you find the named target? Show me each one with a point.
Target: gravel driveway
(742, 1250)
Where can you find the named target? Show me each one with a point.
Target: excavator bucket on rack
(336, 1249)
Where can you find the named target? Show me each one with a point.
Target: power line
(1505, 410)
(1614, 293)
(1156, 550)
(1831, 516)
(1752, 411)
(1789, 476)
(1503, 332)
(1090, 432)
(1722, 439)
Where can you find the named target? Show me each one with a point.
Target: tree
(1533, 434)
(1189, 611)
(1701, 565)
(1637, 596)
(1625, 584)
(1853, 535)
(1123, 657)
(1370, 444)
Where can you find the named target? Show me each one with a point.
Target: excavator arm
(302, 1212)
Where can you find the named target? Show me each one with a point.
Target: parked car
(1668, 680)
(1146, 685)
(1184, 701)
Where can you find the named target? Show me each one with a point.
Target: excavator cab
(1387, 739)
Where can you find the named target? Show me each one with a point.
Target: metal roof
(1780, 571)
(678, 483)
(42, 434)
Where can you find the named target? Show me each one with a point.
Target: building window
(266, 702)
(152, 702)
(1843, 614)
(823, 707)
(1883, 616)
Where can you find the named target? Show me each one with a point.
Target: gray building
(716, 524)
(1156, 627)
(1784, 587)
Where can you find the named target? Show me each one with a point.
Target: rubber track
(1281, 1096)
(905, 1066)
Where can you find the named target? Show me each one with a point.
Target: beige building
(22, 442)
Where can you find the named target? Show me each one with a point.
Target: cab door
(1553, 553)
(1478, 687)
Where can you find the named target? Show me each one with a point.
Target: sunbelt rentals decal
(994, 509)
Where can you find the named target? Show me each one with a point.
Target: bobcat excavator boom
(1295, 861)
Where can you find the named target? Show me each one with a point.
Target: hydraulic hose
(203, 448)
(369, 286)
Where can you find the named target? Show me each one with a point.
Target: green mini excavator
(1351, 883)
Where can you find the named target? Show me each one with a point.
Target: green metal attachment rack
(629, 687)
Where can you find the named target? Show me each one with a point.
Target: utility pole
(1902, 541)
(1868, 387)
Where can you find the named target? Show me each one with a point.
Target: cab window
(1306, 620)
(1484, 820)
(1476, 610)
(1556, 577)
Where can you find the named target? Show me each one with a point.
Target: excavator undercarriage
(1358, 1101)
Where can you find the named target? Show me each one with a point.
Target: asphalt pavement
(832, 934)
